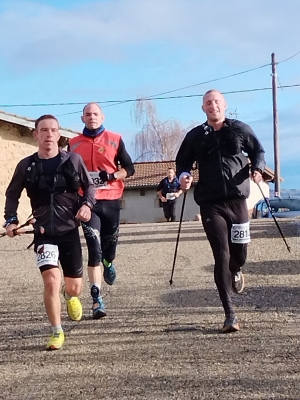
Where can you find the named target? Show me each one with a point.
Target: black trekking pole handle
(17, 231)
(273, 216)
(178, 235)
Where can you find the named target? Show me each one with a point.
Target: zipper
(92, 156)
(52, 205)
(51, 213)
(221, 165)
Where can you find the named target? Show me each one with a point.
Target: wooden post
(275, 129)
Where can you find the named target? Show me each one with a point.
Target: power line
(197, 95)
(213, 80)
(143, 98)
(287, 59)
(199, 84)
(155, 96)
(130, 100)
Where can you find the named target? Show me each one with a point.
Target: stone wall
(15, 144)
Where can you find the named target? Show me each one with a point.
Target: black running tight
(102, 231)
(217, 220)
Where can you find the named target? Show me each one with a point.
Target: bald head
(214, 106)
(89, 104)
(92, 116)
(210, 92)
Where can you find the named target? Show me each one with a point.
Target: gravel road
(158, 341)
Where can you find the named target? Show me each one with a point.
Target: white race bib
(97, 181)
(46, 254)
(170, 196)
(240, 233)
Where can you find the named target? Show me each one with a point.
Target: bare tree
(157, 140)
(233, 114)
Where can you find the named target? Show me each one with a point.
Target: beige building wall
(255, 194)
(142, 206)
(13, 147)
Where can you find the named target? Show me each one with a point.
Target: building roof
(149, 174)
(29, 123)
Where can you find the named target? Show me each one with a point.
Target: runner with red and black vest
(108, 163)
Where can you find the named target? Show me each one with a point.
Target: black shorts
(70, 252)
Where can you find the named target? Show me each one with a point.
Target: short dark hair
(46, 116)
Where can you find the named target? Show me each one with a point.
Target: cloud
(34, 34)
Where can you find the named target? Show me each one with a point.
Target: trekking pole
(16, 231)
(273, 216)
(178, 235)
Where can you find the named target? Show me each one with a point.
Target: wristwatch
(87, 203)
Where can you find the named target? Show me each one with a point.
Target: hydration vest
(170, 187)
(65, 178)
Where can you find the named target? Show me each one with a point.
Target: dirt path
(158, 342)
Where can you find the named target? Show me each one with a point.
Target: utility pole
(275, 128)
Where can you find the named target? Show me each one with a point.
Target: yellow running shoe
(74, 306)
(56, 341)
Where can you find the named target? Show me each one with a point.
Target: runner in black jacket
(168, 191)
(52, 179)
(222, 149)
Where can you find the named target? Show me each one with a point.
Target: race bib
(46, 254)
(98, 181)
(240, 233)
(170, 196)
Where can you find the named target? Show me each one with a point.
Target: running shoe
(74, 307)
(98, 307)
(109, 274)
(238, 282)
(56, 341)
(230, 324)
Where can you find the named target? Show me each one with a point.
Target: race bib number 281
(240, 233)
(47, 254)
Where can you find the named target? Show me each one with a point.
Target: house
(140, 203)
(17, 142)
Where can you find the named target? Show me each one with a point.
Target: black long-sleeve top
(222, 158)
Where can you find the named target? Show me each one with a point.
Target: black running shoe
(231, 324)
(238, 282)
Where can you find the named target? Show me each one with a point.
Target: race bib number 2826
(240, 233)
(47, 254)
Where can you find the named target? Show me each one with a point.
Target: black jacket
(53, 206)
(222, 158)
(165, 186)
